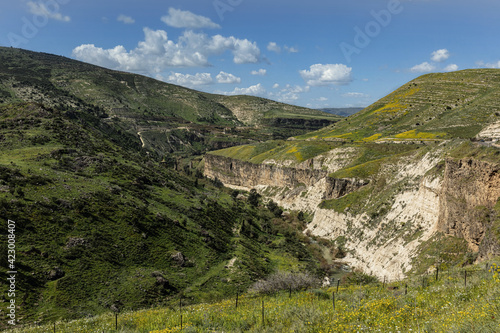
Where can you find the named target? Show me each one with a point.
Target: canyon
(408, 202)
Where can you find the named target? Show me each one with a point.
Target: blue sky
(313, 53)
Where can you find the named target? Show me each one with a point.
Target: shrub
(360, 278)
(284, 281)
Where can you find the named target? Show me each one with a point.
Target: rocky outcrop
(469, 193)
(249, 175)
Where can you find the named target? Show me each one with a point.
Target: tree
(253, 197)
(274, 208)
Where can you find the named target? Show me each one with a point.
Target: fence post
(180, 308)
(338, 283)
(465, 278)
(333, 297)
(236, 300)
(116, 321)
(290, 291)
(263, 323)
(437, 273)
(406, 289)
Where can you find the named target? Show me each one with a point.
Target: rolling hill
(164, 117)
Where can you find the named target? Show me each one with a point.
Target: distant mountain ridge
(343, 112)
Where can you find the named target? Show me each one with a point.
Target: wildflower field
(457, 300)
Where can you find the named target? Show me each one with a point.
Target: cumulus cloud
(185, 19)
(260, 72)
(289, 93)
(156, 52)
(440, 55)
(255, 90)
(328, 74)
(276, 86)
(224, 77)
(291, 49)
(451, 68)
(272, 46)
(125, 19)
(424, 67)
(40, 9)
(188, 80)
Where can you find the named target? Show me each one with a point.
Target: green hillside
(431, 107)
(99, 222)
(98, 169)
(454, 300)
(164, 117)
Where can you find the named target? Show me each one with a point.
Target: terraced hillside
(404, 184)
(434, 106)
(165, 118)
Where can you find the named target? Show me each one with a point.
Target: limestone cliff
(238, 173)
(382, 220)
(469, 193)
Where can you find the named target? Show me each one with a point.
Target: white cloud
(355, 95)
(156, 52)
(185, 19)
(125, 19)
(272, 46)
(40, 9)
(424, 67)
(440, 55)
(224, 77)
(289, 93)
(260, 72)
(276, 86)
(451, 68)
(323, 75)
(489, 65)
(188, 80)
(322, 99)
(256, 90)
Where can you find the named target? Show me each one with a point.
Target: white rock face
(384, 248)
(382, 236)
(389, 256)
(490, 132)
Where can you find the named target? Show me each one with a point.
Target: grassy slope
(255, 110)
(433, 106)
(445, 106)
(421, 304)
(88, 203)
